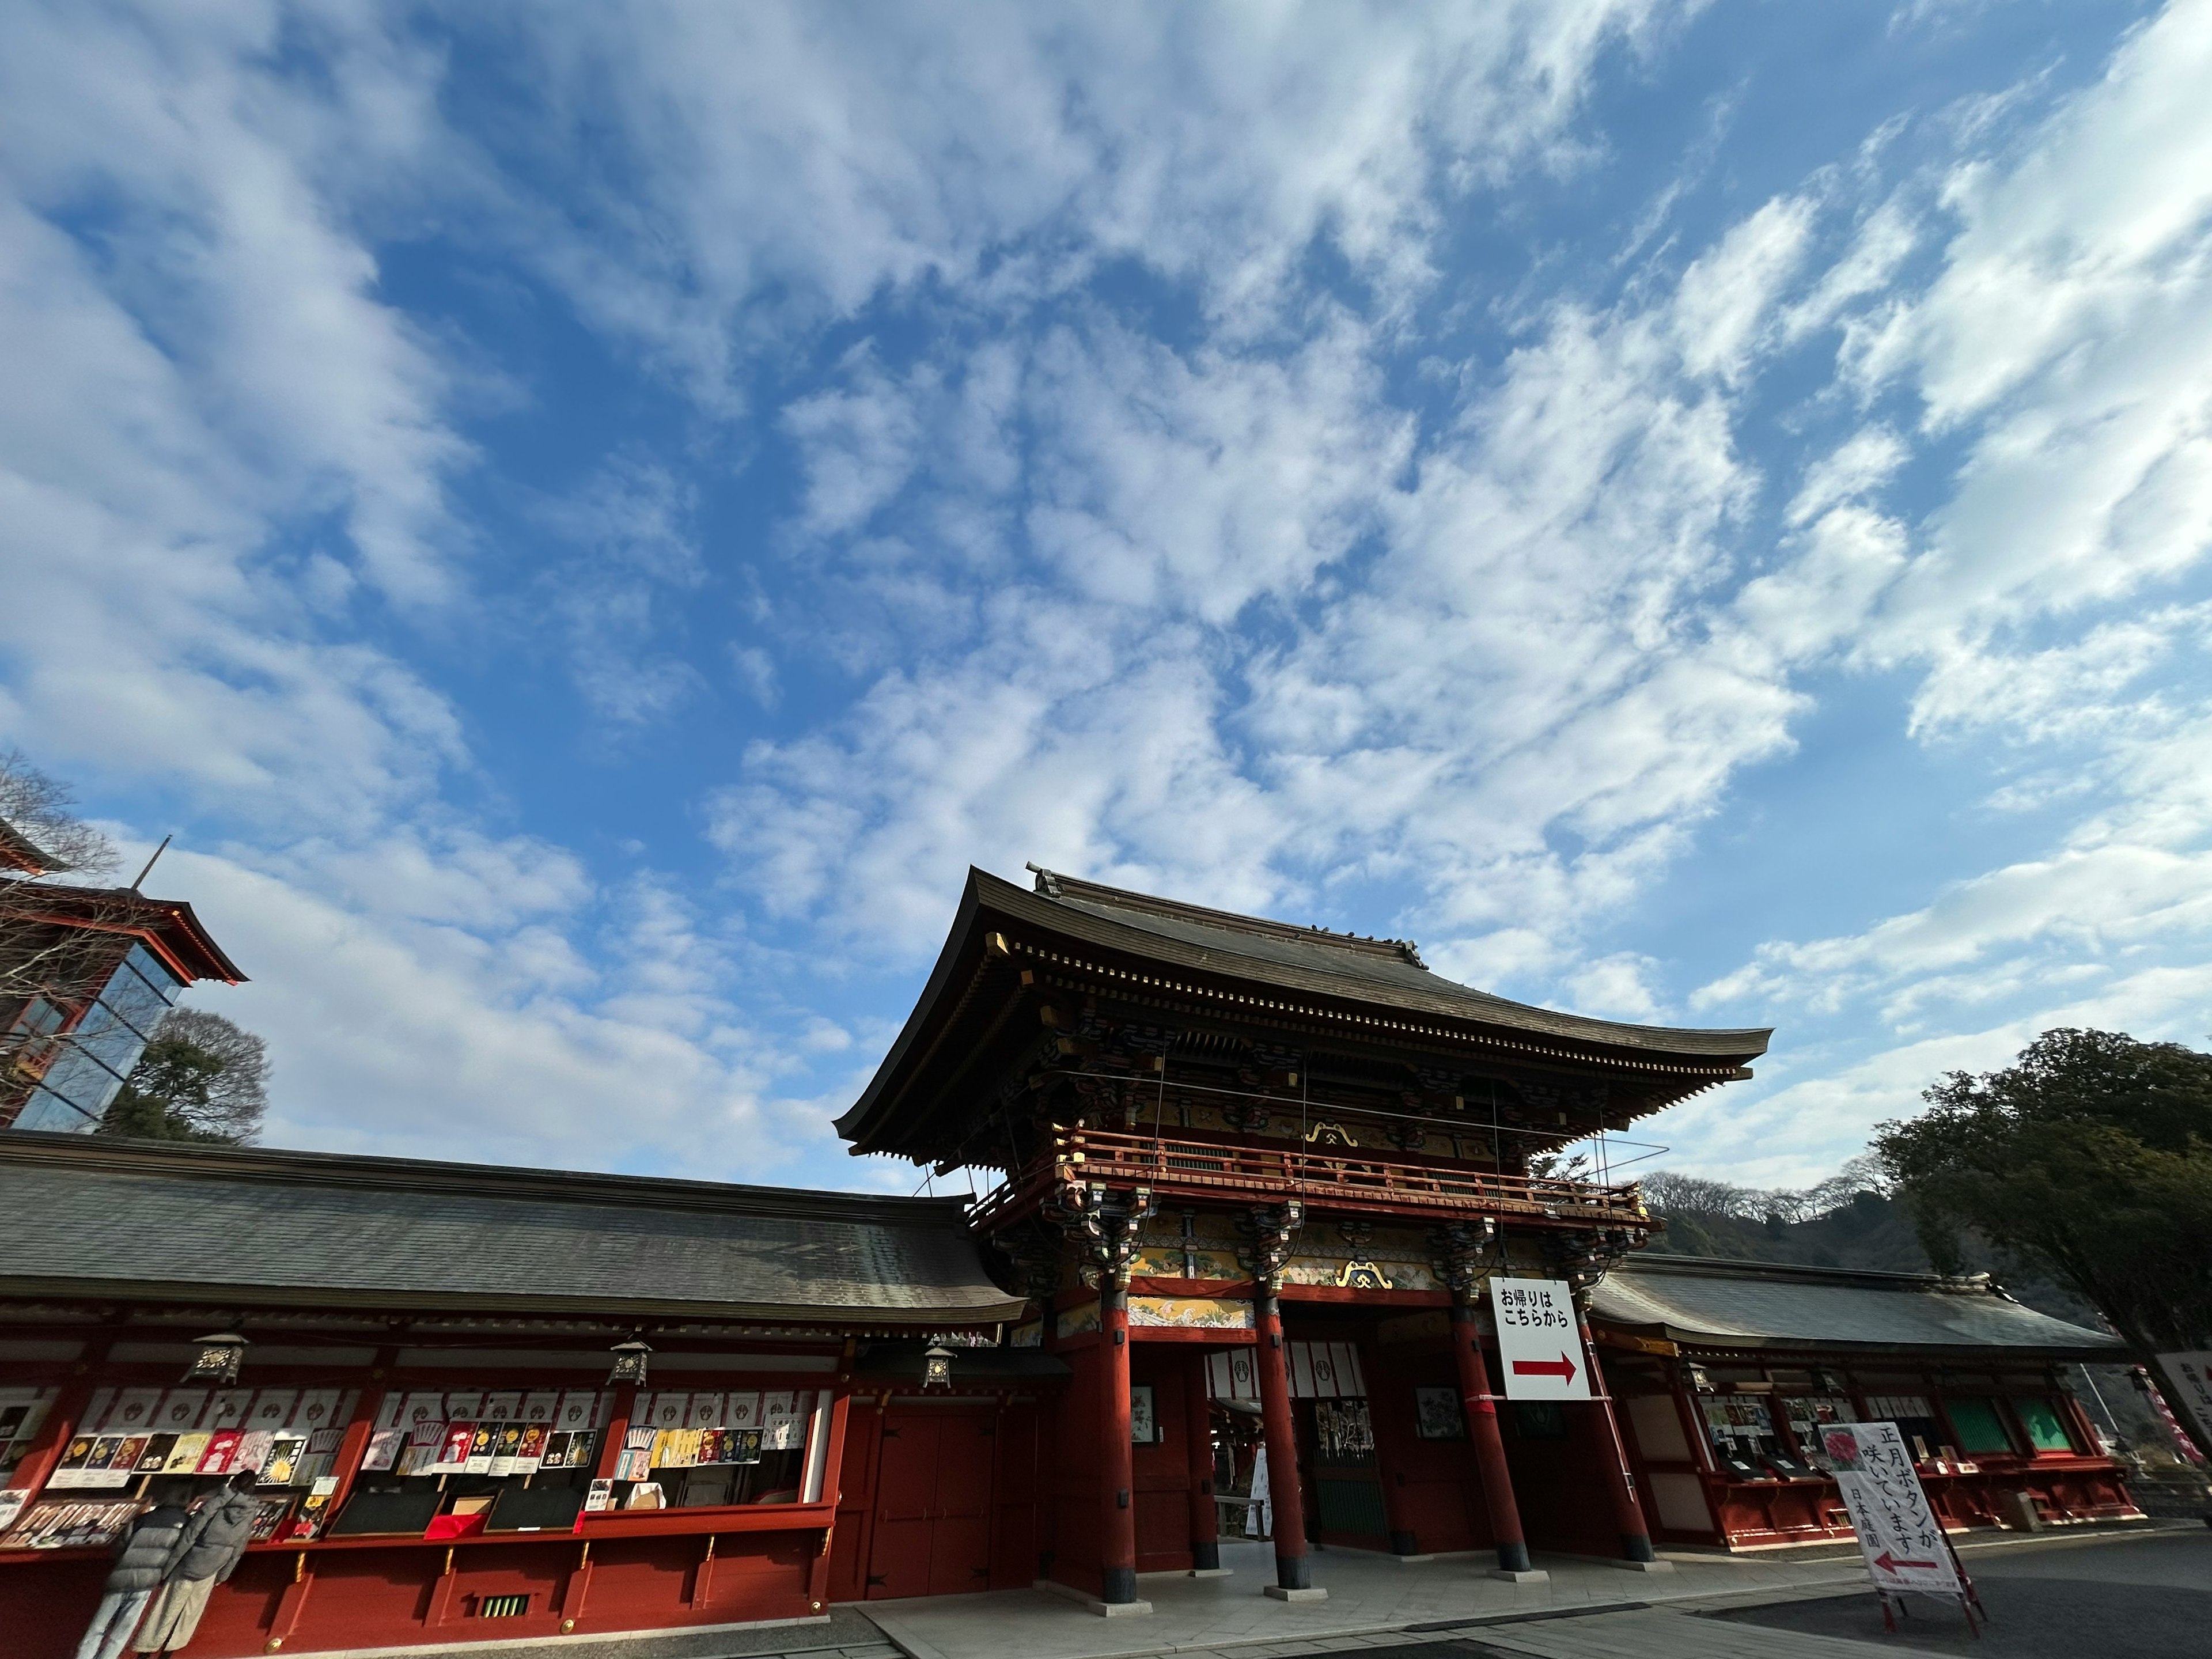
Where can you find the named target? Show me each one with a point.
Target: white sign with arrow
(1905, 1545)
(1539, 1340)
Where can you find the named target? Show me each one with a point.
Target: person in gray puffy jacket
(206, 1553)
(141, 1561)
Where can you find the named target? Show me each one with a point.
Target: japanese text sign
(2191, 1374)
(1899, 1534)
(1539, 1340)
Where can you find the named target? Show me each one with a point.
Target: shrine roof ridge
(171, 923)
(158, 1221)
(1322, 962)
(1718, 1304)
(1055, 885)
(284, 1166)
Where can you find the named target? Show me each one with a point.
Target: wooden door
(933, 1523)
(1014, 1539)
(960, 1547)
(906, 1502)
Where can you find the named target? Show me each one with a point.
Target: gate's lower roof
(87, 1216)
(1699, 1302)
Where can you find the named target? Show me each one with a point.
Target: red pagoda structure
(1250, 1164)
(86, 975)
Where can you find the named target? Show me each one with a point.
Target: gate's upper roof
(1348, 964)
(1382, 980)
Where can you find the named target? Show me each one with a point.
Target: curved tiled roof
(83, 1216)
(1699, 1302)
(1341, 964)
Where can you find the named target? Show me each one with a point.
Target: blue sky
(587, 522)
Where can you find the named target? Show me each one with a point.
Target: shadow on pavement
(2148, 1598)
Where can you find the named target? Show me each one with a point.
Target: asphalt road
(2147, 1597)
(2134, 1598)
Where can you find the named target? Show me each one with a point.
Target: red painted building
(390, 1307)
(1724, 1372)
(86, 975)
(1255, 1178)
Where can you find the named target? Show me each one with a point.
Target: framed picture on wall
(1436, 1414)
(1144, 1415)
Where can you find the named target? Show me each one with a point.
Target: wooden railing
(1335, 1179)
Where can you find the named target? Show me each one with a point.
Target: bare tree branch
(38, 809)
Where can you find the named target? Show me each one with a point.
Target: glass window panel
(79, 1081)
(2046, 1430)
(1740, 1425)
(48, 1110)
(1980, 1427)
(141, 992)
(1809, 1414)
(98, 1055)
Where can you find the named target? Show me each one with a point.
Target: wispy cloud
(462, 460)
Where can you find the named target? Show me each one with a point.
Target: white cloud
(219, 445)
(456, 1013)
(767, 165)
(188, 157)
(1858, 466)
(2068, 333)
(1728, 296)
(1140, 556)
(220, 372)
(1615, 988)
(630, 523)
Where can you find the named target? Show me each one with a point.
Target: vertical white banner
(1899, 1534)
(1540, 1343)
(2192, 1375)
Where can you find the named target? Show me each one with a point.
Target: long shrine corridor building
(1253, 1181)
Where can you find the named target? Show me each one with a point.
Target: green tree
(2089, 1158)
(202, 1077)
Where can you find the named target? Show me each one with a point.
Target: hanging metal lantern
(630, 1360)
(937, 1366)
(217, 1358)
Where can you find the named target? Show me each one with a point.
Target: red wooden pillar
(354, 1446)
(1117, 1533)
(1286, 1502)
(1198, 1443)
(578, 1587)
(833, 1469)
(610, 1445)
(292, 1604)
(60, 1426)
(1497, 1498)
(1612, 1454)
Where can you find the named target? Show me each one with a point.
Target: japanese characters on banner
(2192, 1375)
(1539, 1340)
(1899, 1534)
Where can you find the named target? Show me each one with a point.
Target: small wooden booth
(1725, 1373)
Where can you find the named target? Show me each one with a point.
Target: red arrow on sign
(1563, 1368)
(1889, 1562)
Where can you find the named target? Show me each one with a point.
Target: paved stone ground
(845, 1634)
(2137, 1598)
(2138, 1594)
(1373, 1602)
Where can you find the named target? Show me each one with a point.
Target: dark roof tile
(1705, 1303)
(85, 1216)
